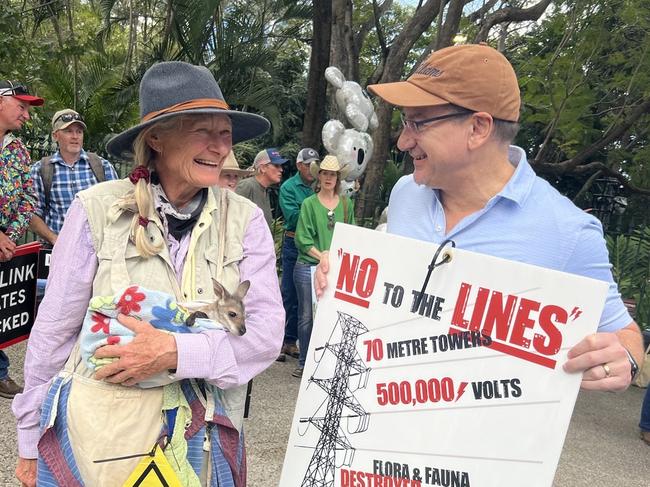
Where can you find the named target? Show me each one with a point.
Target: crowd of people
(188, 217)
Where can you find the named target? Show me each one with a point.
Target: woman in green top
(318, 214)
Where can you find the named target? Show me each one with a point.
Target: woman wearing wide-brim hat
(231, 174)
(168, 228)
(318, 215)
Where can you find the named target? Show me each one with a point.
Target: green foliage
(255, 50)
(20, 54)
(582, 71)
(392, 173)
(630, 258)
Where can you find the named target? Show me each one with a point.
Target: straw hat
(175, 88)
(231, 166)
(329, 163)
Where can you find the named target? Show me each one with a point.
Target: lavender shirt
(214, 355)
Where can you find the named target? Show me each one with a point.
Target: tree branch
(381, 38)
(393, 63)
(550, 128)
(510, 14)
(365, 28)
(599, 166)
(609, 137)
(478, 14)
(585, 187)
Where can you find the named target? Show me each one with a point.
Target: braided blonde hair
(145, 156)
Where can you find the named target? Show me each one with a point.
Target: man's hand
(603, 361)
(150, 352)
(26, 472)
(38, 226)
(7, 247)
(320, 276)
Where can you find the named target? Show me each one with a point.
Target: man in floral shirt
(17, 198)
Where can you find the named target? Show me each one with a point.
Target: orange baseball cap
(473, 76)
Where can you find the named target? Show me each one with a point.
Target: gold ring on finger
(607, 370)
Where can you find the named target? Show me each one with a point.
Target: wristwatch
(634, 367)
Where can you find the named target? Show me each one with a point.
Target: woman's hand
(26, 472)
(320, 276)
(150, 352)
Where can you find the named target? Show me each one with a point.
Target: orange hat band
(188, 105)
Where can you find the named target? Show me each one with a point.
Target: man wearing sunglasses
(460, 113)
(58, 178)
(17, 197)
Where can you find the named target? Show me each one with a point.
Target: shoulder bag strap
(97, 167)
(47, 172)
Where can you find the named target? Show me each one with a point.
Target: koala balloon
(352, 146)
(352, 101)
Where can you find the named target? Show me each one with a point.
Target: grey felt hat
(175, 88)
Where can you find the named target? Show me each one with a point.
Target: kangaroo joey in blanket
(227, 309)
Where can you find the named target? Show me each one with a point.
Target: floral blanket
(101, 327)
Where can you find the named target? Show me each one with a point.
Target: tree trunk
(167, 32)
(75, 60)
(449, 27)
(319, 60)
(369, 199)
(132, 39)
(342, 44)
(391, 71)
(57, 31)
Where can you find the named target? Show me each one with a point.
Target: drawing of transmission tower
(349, 368)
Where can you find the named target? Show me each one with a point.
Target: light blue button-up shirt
(527, 221)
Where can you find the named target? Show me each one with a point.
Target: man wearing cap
(292, 193)
(268, 171)
(58, 178)
(460, 112)
(17, 199)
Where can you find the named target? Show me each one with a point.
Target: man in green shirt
(292, 193)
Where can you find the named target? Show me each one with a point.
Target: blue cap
(268, 156)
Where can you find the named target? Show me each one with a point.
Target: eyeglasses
(330, 220)
(417, 125)
(69, 117)
(14, 90)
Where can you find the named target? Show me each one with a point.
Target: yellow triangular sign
(153, 472)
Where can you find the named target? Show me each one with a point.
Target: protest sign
(458, 385)
(18, 294)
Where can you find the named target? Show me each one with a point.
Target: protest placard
(457, 385)
(18, 294)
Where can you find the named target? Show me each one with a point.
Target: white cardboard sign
(461, 387)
